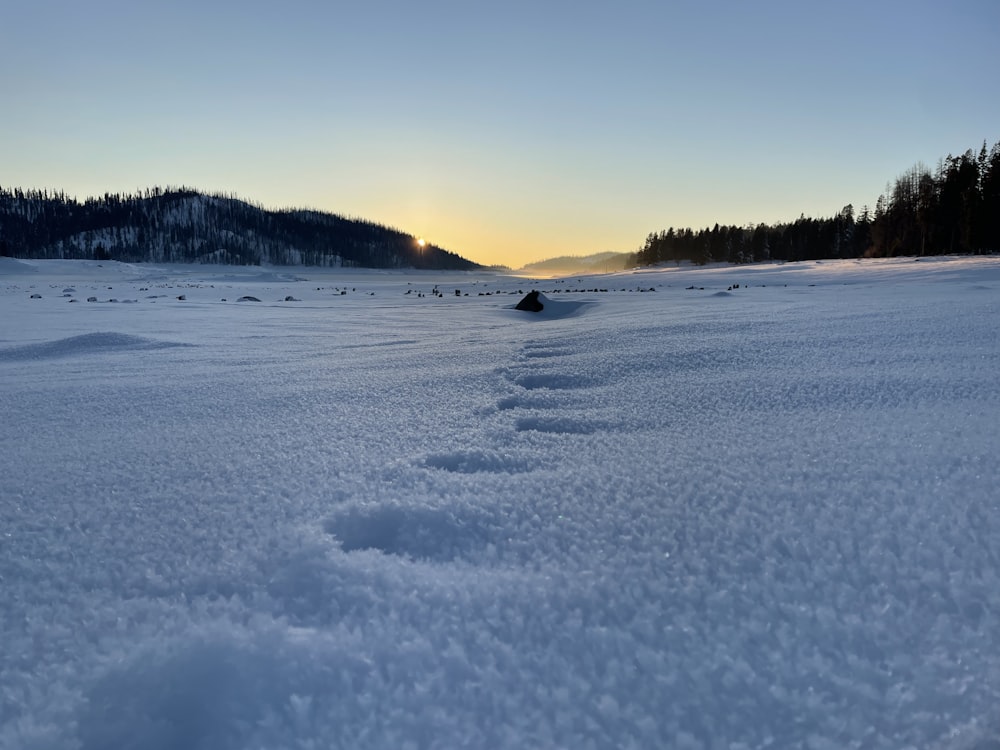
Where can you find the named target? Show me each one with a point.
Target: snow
(367, 519)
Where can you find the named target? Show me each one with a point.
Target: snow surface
(379, 519)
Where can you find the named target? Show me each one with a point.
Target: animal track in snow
(417, 532)
(536, 400)
(551, 381)
(558, 425)
(544, 353)
(479, 461)
(543, 394)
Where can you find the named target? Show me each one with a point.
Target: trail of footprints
(546, 395)
(546, 398)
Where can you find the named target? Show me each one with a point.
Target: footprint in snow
(477, 462)
(416, 532)
(550, 381)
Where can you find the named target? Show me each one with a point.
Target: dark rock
(530, 303)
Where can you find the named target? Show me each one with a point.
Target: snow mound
(556, 309)
(88, 343)
(207, 689)
(12, 266)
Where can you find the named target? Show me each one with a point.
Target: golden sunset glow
(489, 162)
(422, 242)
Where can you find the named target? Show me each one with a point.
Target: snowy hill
(568, 265)
(187, 226)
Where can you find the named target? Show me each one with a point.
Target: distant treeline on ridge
(953, 210)
(181, 225)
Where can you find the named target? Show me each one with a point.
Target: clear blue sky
(506, 132)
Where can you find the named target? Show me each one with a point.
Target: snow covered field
(765, 516)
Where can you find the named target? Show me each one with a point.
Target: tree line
(181, 225)
(954, 209)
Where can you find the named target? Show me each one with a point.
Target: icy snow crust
(373, 519)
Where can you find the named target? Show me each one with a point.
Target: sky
(505, 132)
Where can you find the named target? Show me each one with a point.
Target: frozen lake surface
(762, 512)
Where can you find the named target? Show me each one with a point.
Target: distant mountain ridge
(181, 225)
(569, 264)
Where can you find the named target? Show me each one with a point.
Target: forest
(181, 225)
(953, 210)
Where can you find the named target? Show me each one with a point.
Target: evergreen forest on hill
(953, 210)
(186, 226)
